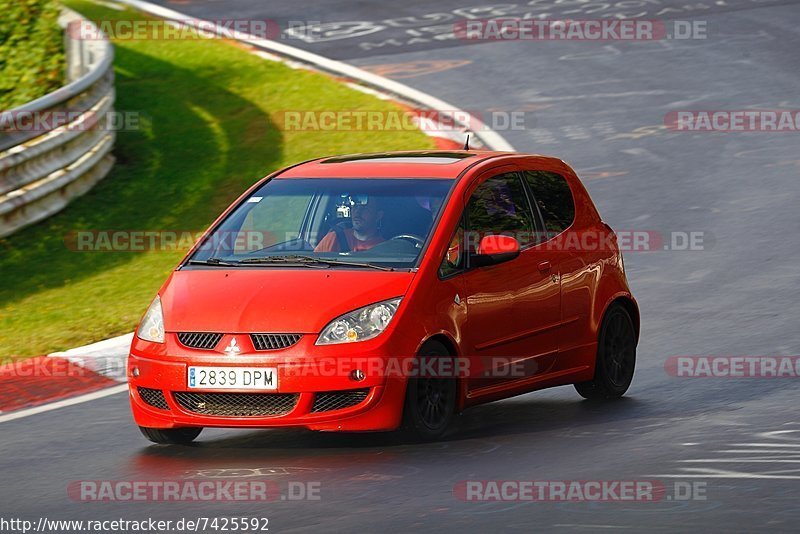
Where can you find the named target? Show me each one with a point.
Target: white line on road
(765, 445)
(756, 460)
(719, 473)
(578, 525)
(765, 451)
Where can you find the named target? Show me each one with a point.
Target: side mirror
(494, 249)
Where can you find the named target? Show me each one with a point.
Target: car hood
(298, 301)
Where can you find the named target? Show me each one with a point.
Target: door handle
(544, 266)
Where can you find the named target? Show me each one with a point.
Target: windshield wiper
(311, 260)
(215, 262)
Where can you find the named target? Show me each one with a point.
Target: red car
(378, 291)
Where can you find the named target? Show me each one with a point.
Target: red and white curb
(107, 358)
(45, 383)
(82, 374)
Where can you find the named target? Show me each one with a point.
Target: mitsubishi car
(378, 292)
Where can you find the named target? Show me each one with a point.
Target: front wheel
(430, 400)
(616, 357)
(171, 436)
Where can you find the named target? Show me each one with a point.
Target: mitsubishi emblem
(233, 349)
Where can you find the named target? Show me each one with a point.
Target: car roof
(408, 164)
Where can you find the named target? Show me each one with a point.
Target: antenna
(466, 143)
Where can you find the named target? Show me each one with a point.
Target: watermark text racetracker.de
(72, 120)
(337, 366)
(733, 366)
(519, 29)
(182, 29)
(195, 524)
(182, 490)
(442, 120)
(738, 120)
(248, 241)
(578, 491)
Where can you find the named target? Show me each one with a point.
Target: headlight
(359, 325)
(152, 326)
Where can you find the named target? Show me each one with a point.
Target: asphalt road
(601, 107)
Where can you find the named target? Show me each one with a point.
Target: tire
(616, 357)
(430, 403)
(171, 436)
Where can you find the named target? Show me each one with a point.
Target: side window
(554, 199)
(453, 261)
(500, 206)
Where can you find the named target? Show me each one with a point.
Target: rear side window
(499, 206)
(554, 199)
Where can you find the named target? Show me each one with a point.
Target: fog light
(135, 372)
(357, 375)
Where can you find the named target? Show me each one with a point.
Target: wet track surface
(600, 107)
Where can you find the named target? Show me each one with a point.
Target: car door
(555, 204)
(513, 308)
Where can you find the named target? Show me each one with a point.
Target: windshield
(374, 222)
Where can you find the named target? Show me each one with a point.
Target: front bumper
(316, 389)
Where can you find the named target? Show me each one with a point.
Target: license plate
(260, 378)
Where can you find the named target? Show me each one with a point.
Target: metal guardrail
(43, 168)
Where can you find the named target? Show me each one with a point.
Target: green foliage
(31, 51)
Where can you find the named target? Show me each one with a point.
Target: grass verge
(207, 130)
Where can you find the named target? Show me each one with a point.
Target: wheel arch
(444, 339)
(450, 343)
(629, 304)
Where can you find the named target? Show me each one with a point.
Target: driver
(364, 234)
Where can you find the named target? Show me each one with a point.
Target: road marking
(578, 525)
(766, 445)
(414, 68)
(755, 460)
(64, 403)
(719, 473)
(766, 451)
(752, 454)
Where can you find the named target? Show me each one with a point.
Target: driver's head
(366, 215)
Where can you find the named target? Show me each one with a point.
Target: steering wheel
(418, 241)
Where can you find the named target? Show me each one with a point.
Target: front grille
(237, 404)
(199, 340)
(274, 341)
(337, 400)
(154, 397)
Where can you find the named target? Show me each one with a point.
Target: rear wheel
(616, 357)
(430, 400)
(171, 436)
